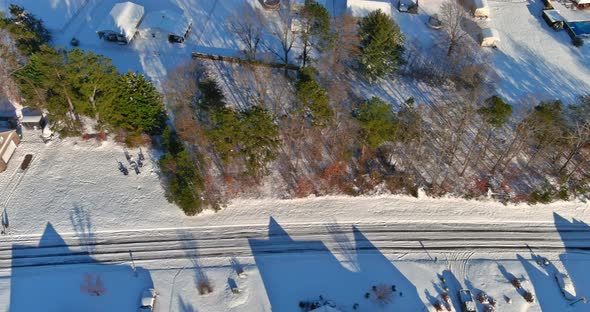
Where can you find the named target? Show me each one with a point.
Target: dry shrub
(383, 294)
(101, 136)
(136, 140)
(304, 188)
(93, 285)
(402, 184)
(337, 178)
(204, 287)
(480, 187)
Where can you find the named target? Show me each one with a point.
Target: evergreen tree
(225, 133)
(382, 45)
(28, 32)
(212, 96)
(184, 182)
(260, 139)
(94, 77)
(495, 112)
(46, 83)
(315, 32)
(378, 122)
(137, 106)
(313, 100)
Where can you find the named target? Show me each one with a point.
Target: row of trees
(73, 84)
(76, 86)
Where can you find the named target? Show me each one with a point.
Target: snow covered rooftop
(124, 19)
(360, 8)
(554, 15)
(171, 22)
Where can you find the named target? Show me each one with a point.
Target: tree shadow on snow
(53, 277)
(82, 223)
(294, 271)
(575, 236)
(184, 306)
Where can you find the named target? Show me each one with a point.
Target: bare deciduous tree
(345, 47)
(248, 25)
(452, 15)
(284, 34)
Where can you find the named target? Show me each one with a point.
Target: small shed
(489, 37)
(122, 22)
(32, 119)
(361, 8)
(553, 19)
(172, 25)
(8, 142)
(481, 8)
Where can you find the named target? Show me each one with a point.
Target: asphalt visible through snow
(492, 241)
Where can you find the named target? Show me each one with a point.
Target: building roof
(5, 138)
(361, 8)
(124, 18)
(554, 15)
(169, 21)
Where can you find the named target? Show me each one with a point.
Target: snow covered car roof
(148, 297)
(124, 18)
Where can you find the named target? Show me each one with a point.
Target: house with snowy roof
(122, 22)
(361, 8)
(8, 142)
(171, 25)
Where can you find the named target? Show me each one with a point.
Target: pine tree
(45, 83)
(382, 45)
(28, 32)
(313, 100)
(378, 122)
(495, 112)
(137, 106)
(94, 77)
(260, 139)
(315, 32)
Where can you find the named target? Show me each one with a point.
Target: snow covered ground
(532, 59)
(72, 216)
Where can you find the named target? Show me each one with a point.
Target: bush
(543, 197)
(578, 42)
(183, 180)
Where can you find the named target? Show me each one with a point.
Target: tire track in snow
(114, 247)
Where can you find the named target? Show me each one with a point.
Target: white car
(566, 286)
(148, 300)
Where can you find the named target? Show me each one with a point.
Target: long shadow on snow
(73, 287)
(575, 236)
(293, 270)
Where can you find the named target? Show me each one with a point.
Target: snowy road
(489, 241)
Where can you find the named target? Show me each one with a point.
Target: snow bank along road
(417, 241)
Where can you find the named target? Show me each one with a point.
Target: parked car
(566, 286)
(148, 300)
(467, 302)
